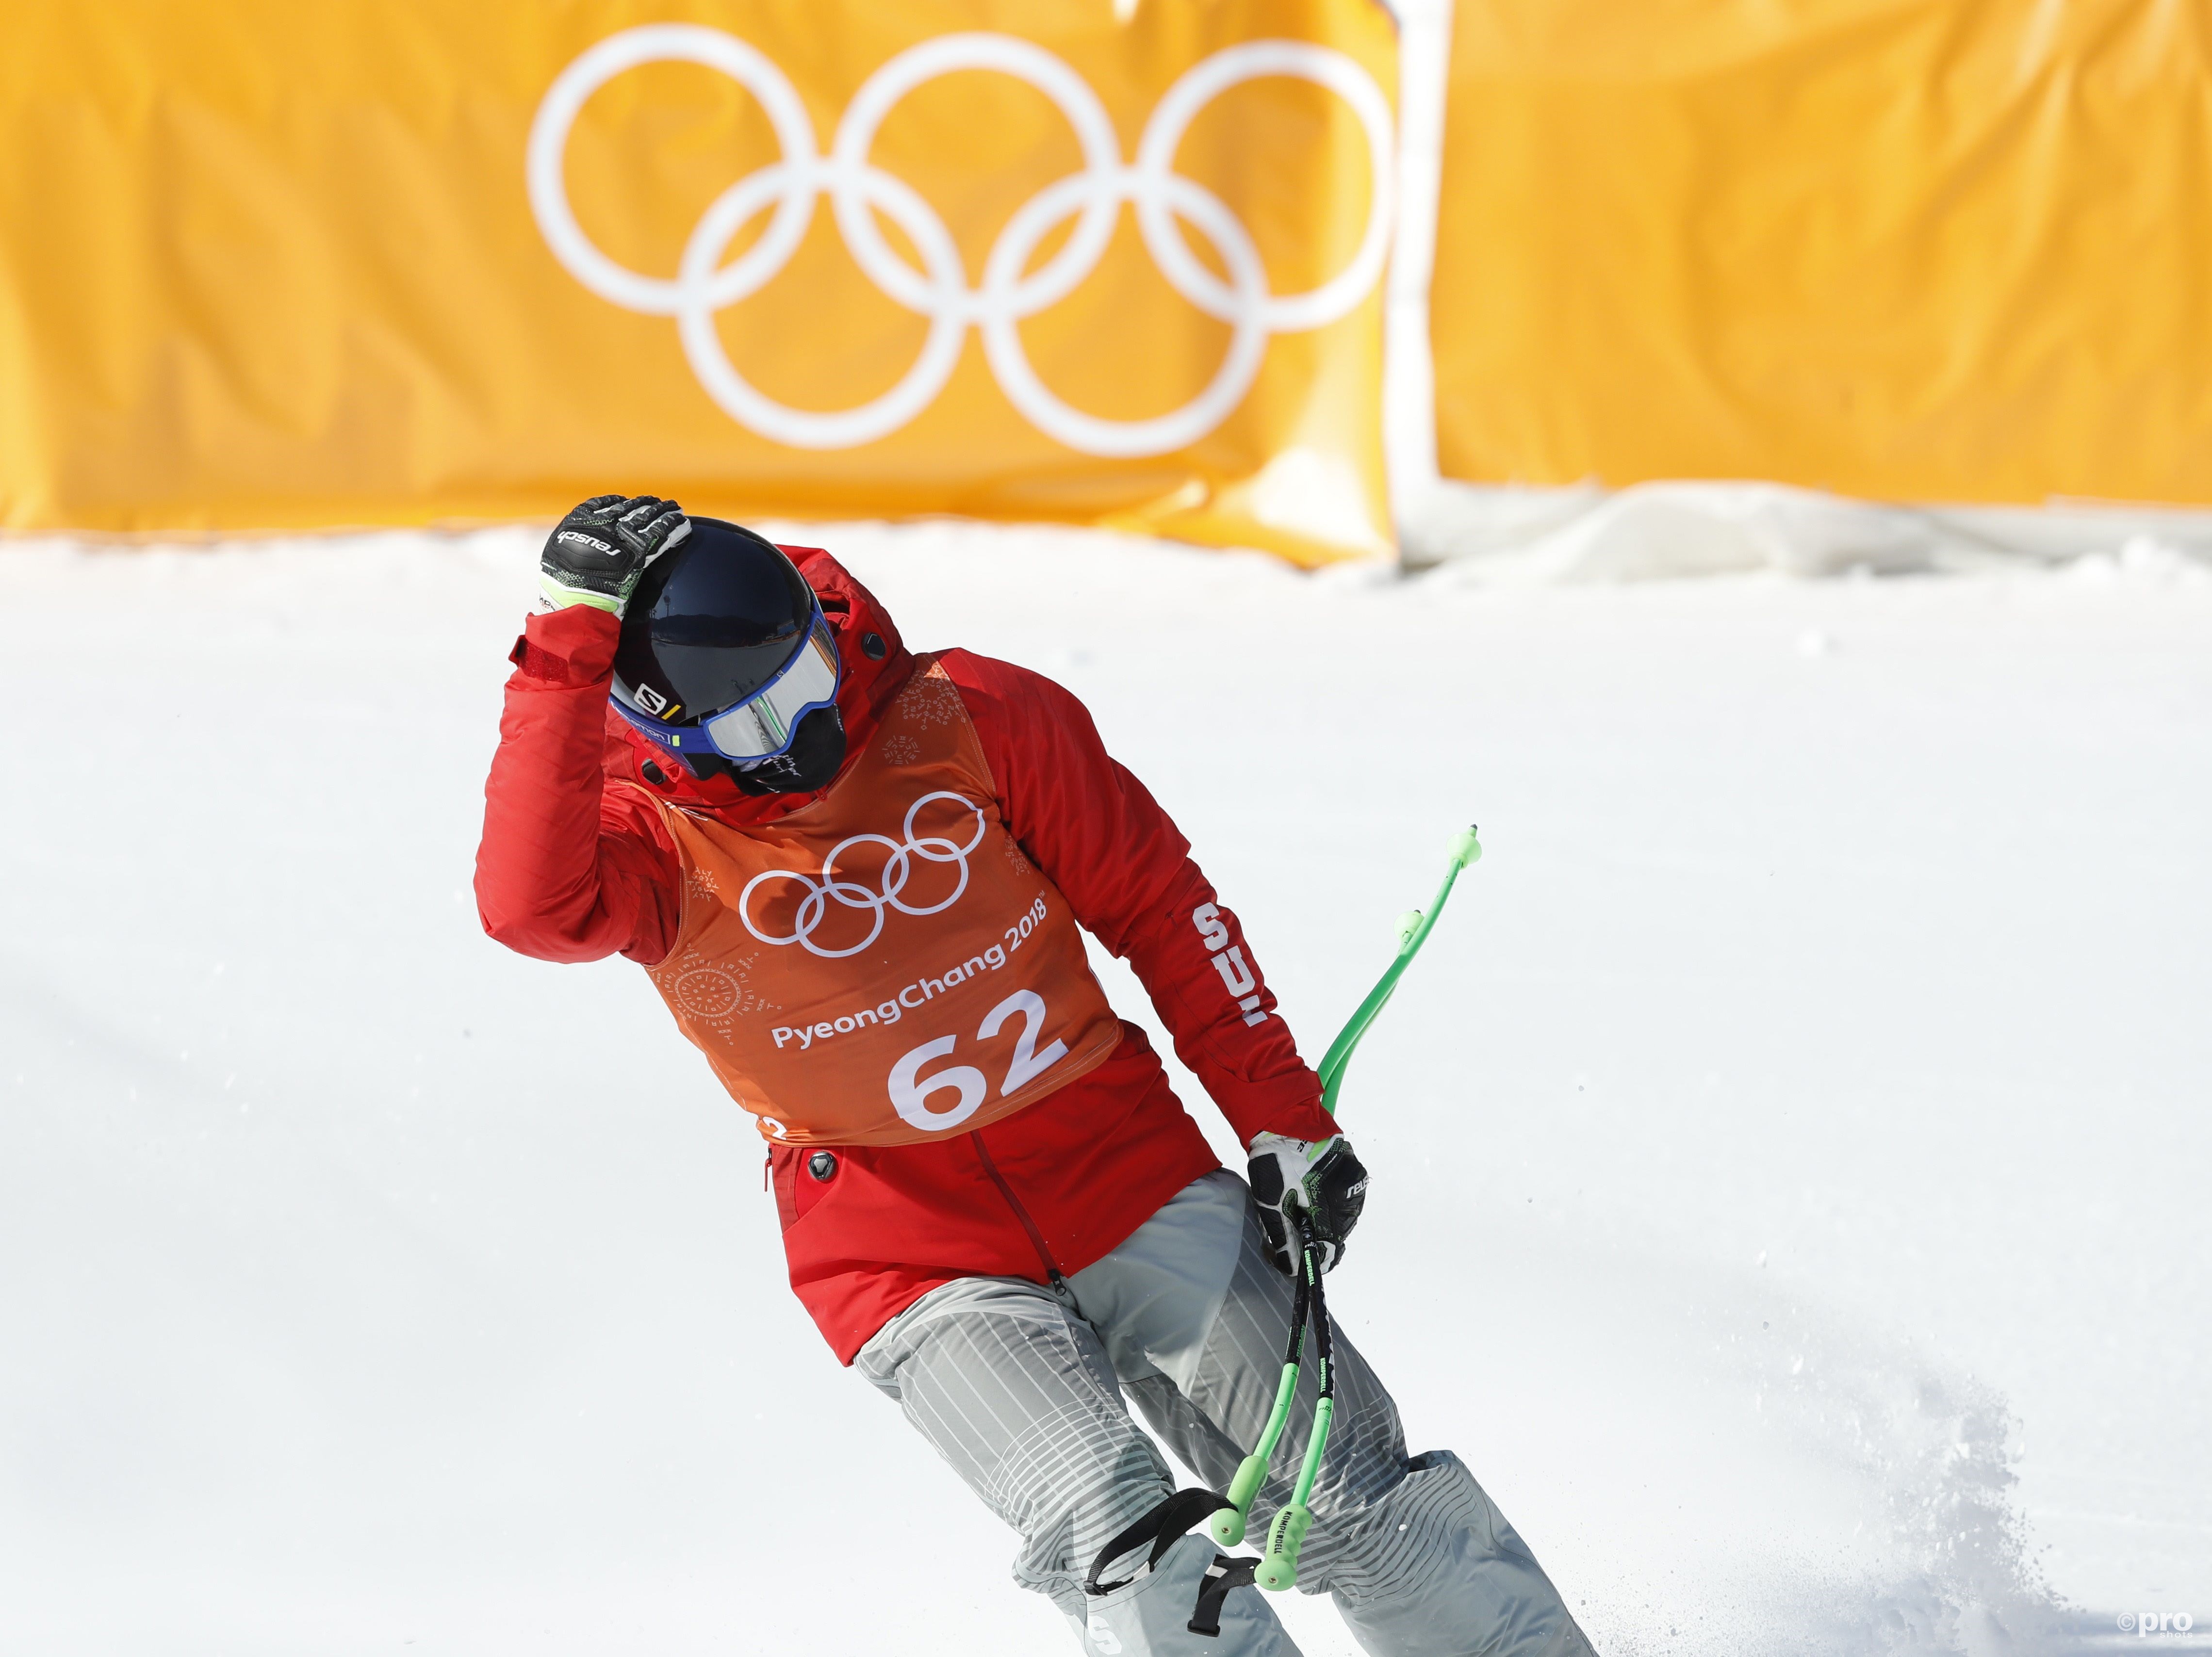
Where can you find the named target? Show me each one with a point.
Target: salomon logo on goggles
(762, 726)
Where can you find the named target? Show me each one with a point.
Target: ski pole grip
(1246, 1484)
(1279, 1570)
(1227, 1525)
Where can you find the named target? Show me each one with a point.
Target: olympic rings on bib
(931, 848)
(788, 188)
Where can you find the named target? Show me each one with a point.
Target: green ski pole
(1413, 929)
(1278, 1560)
(1227, 1525)
(1279, 1569)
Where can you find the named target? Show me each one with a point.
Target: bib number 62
(910, 1089)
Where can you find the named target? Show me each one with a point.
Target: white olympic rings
(931, 848)
(939, 292)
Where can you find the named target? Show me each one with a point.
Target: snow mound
(1485, 535)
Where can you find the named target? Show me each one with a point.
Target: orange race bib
(883, 965)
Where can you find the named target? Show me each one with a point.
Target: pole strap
(1224, 1575)
(1163, 1527)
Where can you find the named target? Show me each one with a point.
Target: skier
(856, 875)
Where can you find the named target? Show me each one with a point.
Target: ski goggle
(762, 726)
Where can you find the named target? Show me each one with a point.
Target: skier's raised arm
(570, 868)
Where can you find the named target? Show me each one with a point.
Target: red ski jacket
(577, 864)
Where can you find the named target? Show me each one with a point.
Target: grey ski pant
(1021, 1392)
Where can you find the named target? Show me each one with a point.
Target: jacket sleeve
(569, 868)
(1126, 871)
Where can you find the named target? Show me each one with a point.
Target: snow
(1789, 1155)
(1502, 535)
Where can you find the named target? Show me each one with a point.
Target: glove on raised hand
(596, 553)
(1321, 1180)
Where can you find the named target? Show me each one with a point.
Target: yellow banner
(1942, 250)
(265, 264)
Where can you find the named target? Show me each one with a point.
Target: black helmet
(726, 659)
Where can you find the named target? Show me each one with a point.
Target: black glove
(1321, 1182)
(596, 553)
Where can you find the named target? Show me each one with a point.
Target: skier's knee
(1070, 1504)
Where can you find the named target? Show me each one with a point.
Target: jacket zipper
(1037, 1237)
